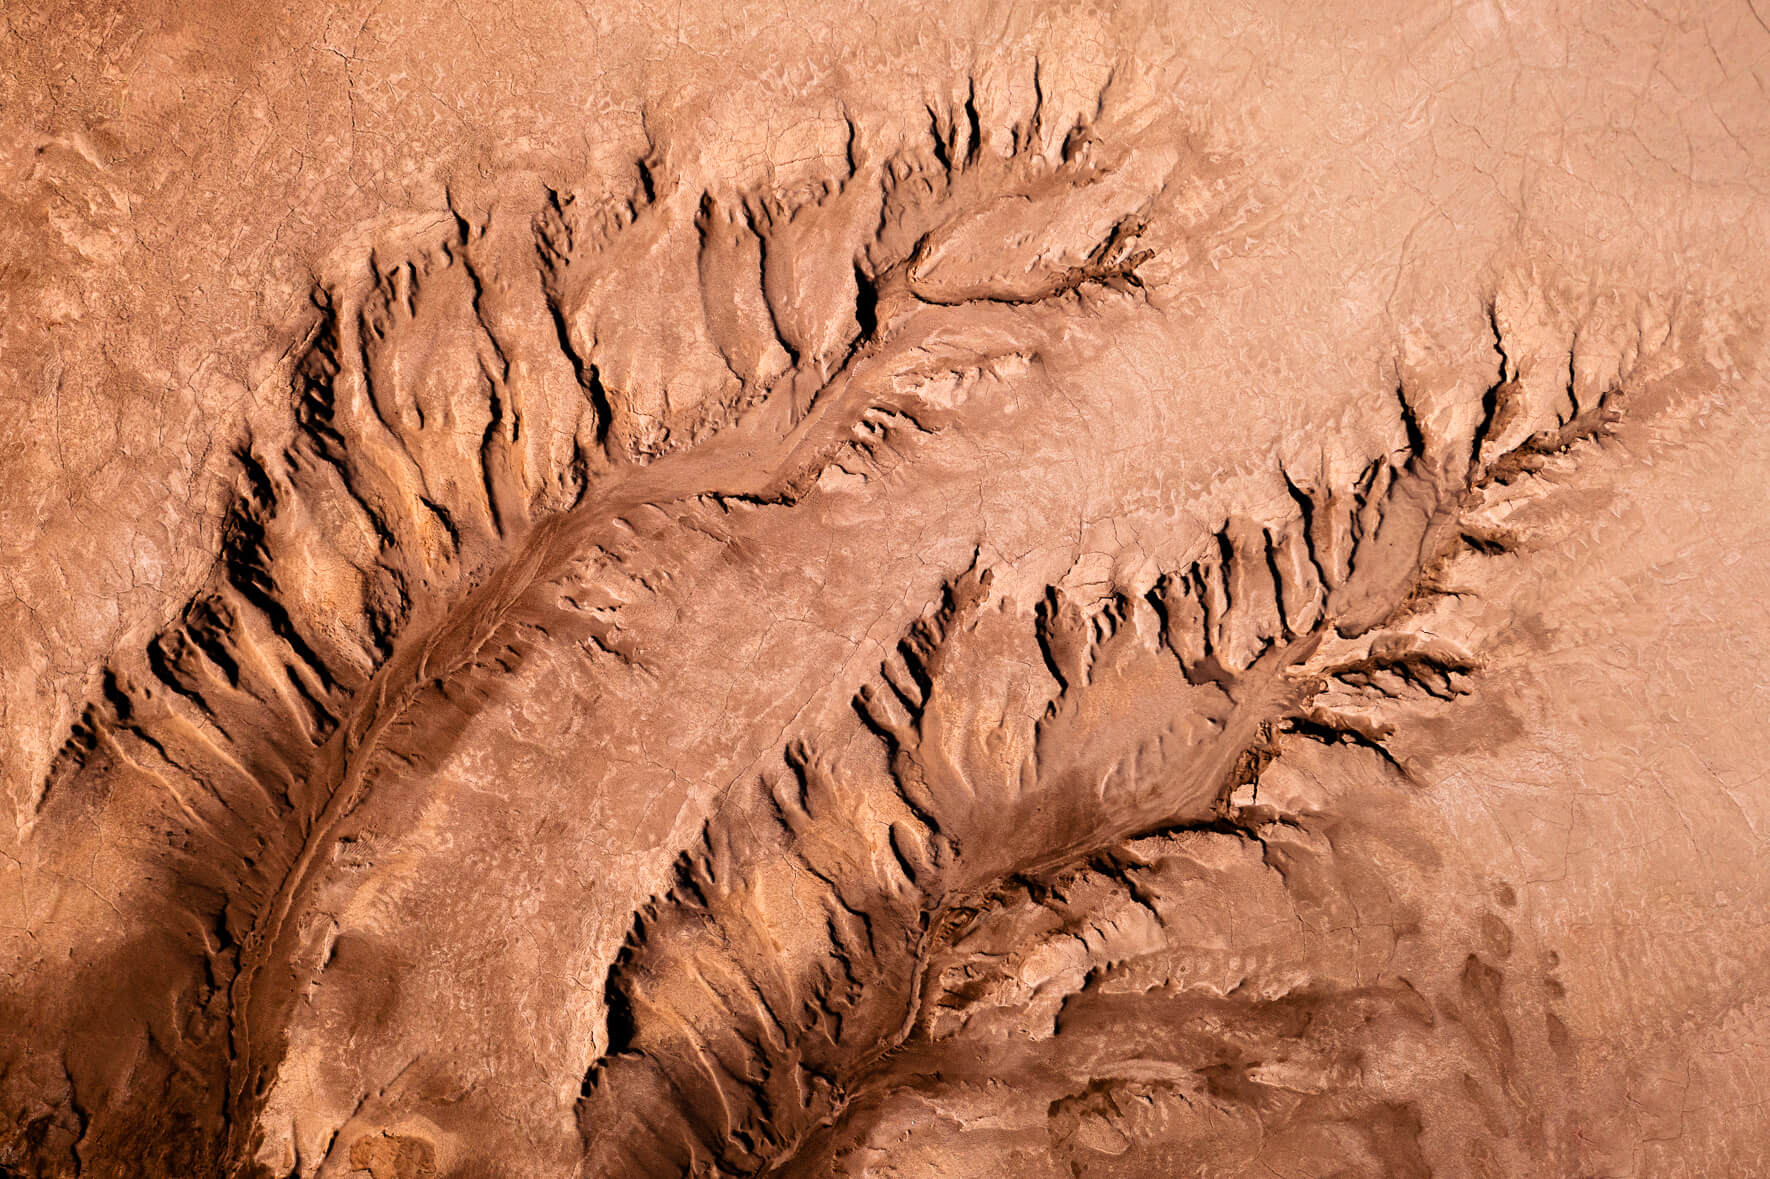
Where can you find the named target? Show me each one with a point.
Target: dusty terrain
(830, 589)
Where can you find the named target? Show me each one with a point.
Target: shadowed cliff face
(857, 672)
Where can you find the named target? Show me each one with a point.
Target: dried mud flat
(1038, 590)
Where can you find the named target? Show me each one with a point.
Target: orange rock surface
(1046, 590)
